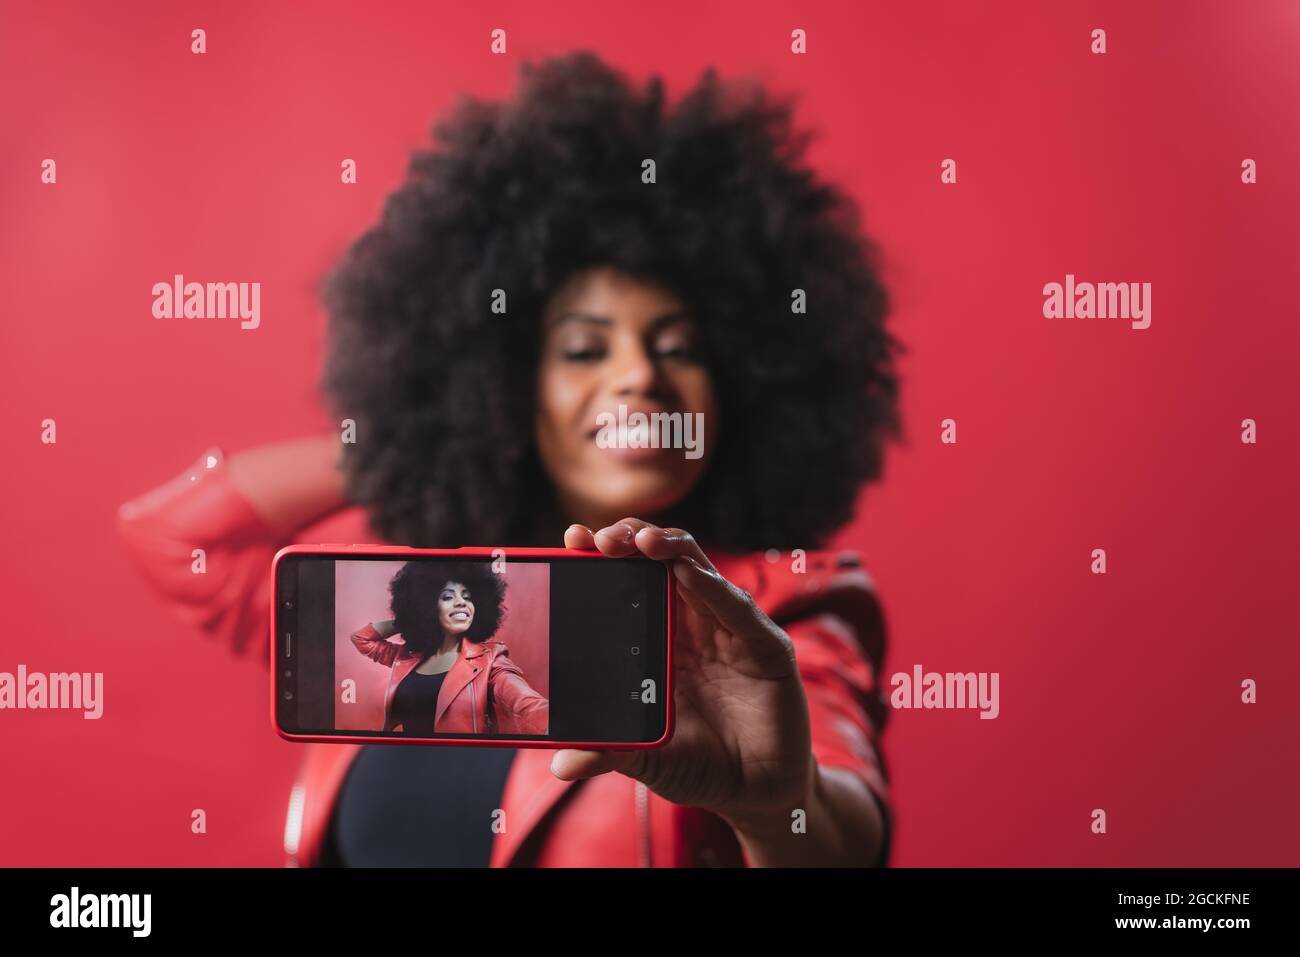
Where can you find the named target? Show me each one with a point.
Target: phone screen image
(465, 648)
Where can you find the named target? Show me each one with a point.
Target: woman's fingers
(579, 537)
(768, 647)
(630, 536)
(690, 601)
(573, 765)
(666, 544)
(619, 540)
(734, 608)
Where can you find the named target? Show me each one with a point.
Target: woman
(528, 277)
(448, 674)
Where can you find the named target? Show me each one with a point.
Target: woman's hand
(742, 747)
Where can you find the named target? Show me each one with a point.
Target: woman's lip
(631, 444)
(629, 454)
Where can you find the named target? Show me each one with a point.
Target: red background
(1118, 692)
(361, 596)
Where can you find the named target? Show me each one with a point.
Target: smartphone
(508, 647)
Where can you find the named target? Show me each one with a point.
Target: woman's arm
(520, 709)
(372, 641)
(291, 484)
(847, 805)
(232, 512)
(844, 827)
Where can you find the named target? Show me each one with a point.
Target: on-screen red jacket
(828, 608)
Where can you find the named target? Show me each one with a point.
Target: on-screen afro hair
(415, 590)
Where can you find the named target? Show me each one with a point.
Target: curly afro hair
(415, 590)
(521, 195)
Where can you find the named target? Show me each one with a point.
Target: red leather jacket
(462, 701)
(829, 610)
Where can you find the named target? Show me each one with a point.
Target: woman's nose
(635, 372)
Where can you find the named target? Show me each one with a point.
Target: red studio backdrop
(1119, 691)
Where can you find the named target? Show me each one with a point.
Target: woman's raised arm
(204, 539)
(291, 484)
(372, 641)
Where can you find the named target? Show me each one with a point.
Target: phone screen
(500, 648)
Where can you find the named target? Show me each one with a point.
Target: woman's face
(610, 340)
(455, 609)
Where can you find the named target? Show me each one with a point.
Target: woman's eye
(677, 350)
(587, 354)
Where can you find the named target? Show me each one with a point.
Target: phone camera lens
(288, 696)
(288, 604)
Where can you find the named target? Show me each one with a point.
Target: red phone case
(404, 551)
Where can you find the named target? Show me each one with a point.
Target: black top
(416, 702)
(417, 806)
(414, 806)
